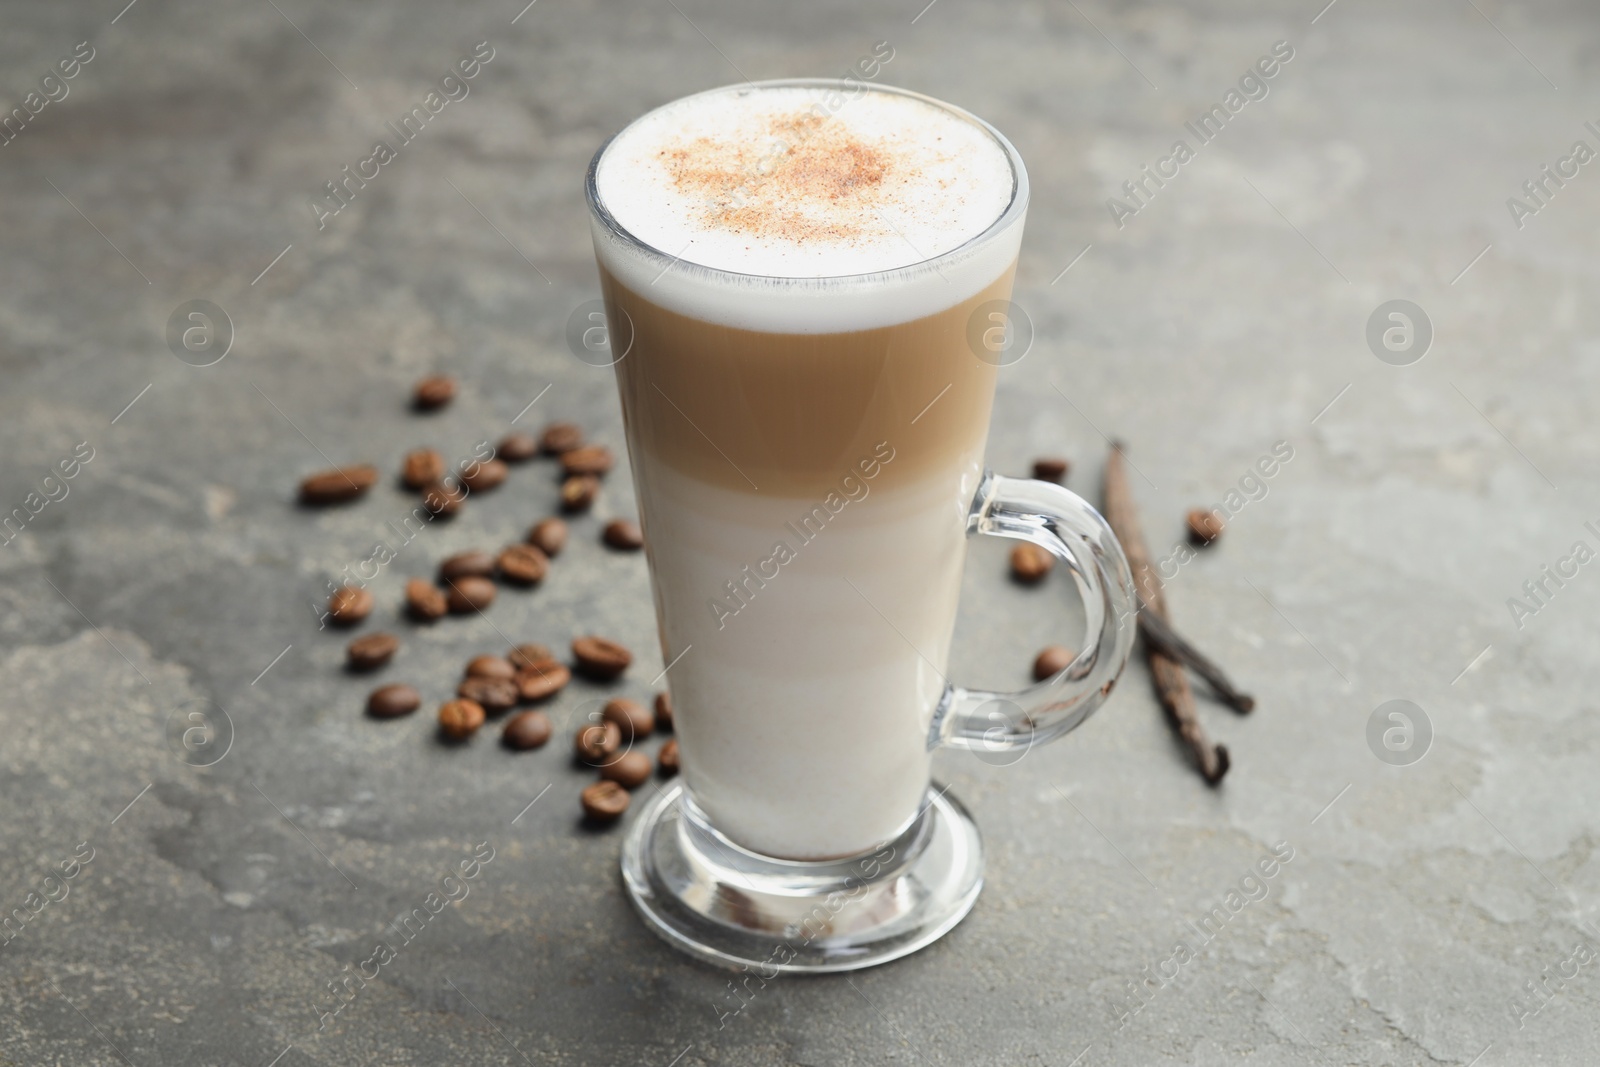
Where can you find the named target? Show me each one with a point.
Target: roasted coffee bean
(630, 716)
(422, 468)
(338, 485)
(1052, 661)
(471, 564)
(525, 730)
(348, 605)
(442, 501)
(629, 770)
(490, 667)
(604, 801)
(433, 393)
(517, 447)
(1204, 526)
(560, 437)
(667, 759)
(494, 695)
(1030, 563)
(1051, 469)
(459, 719)
(595, 741)
(542, 680)
(481, 477)
(578, 492)
(425, 601)
(522, 564)
(620, 533)
(600, 658)
(467, 595)
(548, 536)
(664, 712)
(529, 655)
(590, 459)
(371, 651)
(390, 701)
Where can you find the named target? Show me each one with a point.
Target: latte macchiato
(806, 422)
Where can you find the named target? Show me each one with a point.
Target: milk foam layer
(790, 192)
(767, 181)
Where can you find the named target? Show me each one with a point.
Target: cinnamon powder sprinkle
(808, 181)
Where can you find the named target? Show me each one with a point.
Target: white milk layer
(805, 689)
(807, 209)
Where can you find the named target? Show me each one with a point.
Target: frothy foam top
(804, 181)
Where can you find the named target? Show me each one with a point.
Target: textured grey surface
(1219, 319)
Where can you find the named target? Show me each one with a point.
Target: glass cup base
(729, 906)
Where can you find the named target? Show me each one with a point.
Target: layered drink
(793, 275)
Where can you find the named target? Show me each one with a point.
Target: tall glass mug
(807, 449)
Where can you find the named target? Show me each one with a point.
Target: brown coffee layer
(788, 414)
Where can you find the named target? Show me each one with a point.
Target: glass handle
(1066, 526)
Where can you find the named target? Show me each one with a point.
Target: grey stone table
(1434, 910)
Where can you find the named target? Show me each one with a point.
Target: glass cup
(807, 480)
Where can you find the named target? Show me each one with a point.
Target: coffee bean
(1030, 563)
(481, 477)
(664, 712)
(578, 492)
(348, 605)
(442, 501)
(1204, 526)
(522, 564)
(490, 667)
(390, 701)
(459, 719)
(1052, 661)
(525, 730)
(600, 658)
(471, 564)
(467, 595)
(620, 533)
(667, 759)
(542, 680)
(560, 437)
(604, 802)
(630, 716)
(595, 741)
(629, 770)
(548, 536)
(425, 601)
(1051, 469)
(422, 468)
(371, 651)
(590, 459)
(517, 447)
(338, 485)
(434, 393)
(529, 655)
(494, 695)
